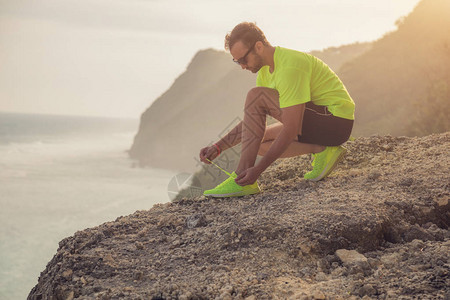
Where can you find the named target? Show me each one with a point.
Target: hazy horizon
(114, 58)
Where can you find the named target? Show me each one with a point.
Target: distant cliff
(378, 228)
(401, 85)
(335, 57)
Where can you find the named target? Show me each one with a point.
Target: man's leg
(295, 148)
(259, 103)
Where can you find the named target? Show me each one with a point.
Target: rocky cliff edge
(376, 229)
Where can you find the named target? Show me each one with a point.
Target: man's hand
(248, 176)
(209, 152)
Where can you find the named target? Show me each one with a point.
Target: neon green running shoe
(325, 162)
(229, 188)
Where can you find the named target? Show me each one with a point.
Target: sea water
(58, 175)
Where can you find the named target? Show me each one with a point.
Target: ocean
(58, 175)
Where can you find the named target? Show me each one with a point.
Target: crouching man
(313, 107)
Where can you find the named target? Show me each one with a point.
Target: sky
(113, 58)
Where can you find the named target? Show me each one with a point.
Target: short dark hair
(246, 32)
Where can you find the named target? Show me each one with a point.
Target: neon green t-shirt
(300, 77)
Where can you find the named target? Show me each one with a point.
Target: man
(314, 110)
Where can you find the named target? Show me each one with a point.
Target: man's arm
(232, 138)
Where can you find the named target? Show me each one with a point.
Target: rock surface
(387, 201)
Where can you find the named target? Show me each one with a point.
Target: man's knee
(260, 93)
(263, 99)
(253, 93)
(261, 96)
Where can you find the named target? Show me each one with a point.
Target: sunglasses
(243, 59)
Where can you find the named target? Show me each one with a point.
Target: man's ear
(259, 46)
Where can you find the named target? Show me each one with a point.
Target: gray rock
(417, 232)
(321, 276)
(367, 290)
(352, 257)
(195, 220)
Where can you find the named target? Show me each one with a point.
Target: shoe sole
(236, 194)
(331, 166)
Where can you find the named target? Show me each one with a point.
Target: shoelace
(219, 168)
(225, 182)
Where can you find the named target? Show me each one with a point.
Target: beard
(258, 64)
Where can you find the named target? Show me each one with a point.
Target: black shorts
(320, 127)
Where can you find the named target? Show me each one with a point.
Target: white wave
(42, 150)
